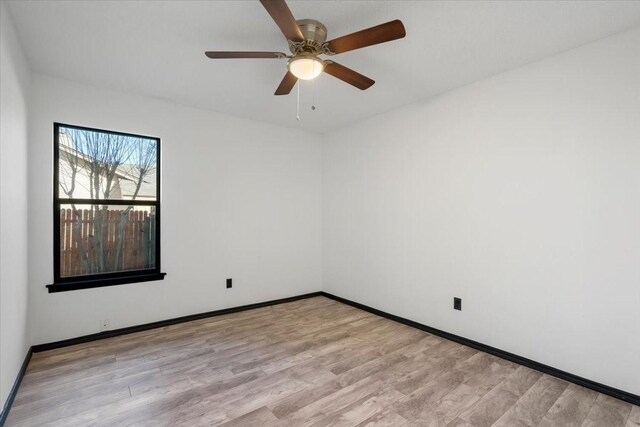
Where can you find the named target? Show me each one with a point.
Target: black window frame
(61, 284)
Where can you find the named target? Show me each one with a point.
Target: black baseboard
(601, 388)
(145, 327)
(14, 390)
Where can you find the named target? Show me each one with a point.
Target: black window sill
(99, 283)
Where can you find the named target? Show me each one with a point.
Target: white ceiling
(155, 48)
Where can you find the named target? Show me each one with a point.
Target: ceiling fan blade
(238, 55)
(375, 35)
(287, 83)
(284, 19)
(347, 75)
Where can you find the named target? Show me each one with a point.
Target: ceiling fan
(307, 40)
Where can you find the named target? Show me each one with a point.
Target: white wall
(14, 86)
(520, 194)
(240, 199)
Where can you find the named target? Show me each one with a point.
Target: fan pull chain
(298, 111)
(313, 96)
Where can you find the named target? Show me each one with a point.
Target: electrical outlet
(229, 283)
(105, 325)
(457, 304)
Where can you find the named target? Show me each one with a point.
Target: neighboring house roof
(128, 185)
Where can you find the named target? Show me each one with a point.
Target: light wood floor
(310, 362)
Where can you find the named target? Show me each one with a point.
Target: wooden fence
(82, 252)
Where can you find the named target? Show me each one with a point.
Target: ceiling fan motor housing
(315, 36)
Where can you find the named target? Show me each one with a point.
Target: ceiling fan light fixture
(306, 67)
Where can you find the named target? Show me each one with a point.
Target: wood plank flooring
(313, 362)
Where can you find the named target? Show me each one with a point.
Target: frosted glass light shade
(307, 68)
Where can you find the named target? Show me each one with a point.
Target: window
(106, 208)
